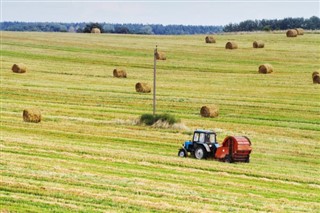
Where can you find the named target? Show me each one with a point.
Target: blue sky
(208, 12)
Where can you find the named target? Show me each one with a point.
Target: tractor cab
(202, 136)
(203, 145)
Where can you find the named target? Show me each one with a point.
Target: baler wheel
(227, 159)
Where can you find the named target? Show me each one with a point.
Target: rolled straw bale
(119, 73)
(316, 77)
(210, 39)
(160, 56)
(292, 33)
(19, 68)
(143, 87)
(209, 111)
(315, 73)
(231, 45)
(265, 68)
(258, 44)
(95, 30)
(300, 31)
(32, 115)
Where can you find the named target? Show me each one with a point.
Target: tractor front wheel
(200, 153)
(182, 153)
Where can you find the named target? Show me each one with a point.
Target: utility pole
(154, 79)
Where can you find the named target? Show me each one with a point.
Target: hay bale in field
(210, 39)
(231, 45)
(292, 33)
(160, 55)
(95, 30)
(300, 31)
(265, 68)
(315, 73)
(209, 111)
(258, 44)
(316, 77)
(119, 73)
(19, 68)
(143, 87)
(32, 115)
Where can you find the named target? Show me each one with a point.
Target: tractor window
(212, 138)
(196, 137)
(202, 137)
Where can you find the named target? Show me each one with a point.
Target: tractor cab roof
(204, 131)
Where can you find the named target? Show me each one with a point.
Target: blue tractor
(203, 145)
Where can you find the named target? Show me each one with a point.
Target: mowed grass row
(88, 155)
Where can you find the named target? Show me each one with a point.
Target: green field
(87, 155)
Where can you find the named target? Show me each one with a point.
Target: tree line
(312, 23)
(157, 29)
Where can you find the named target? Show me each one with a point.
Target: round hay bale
(300, 31)
(209, 111)
(258, 44)
(292, 33)
(119, 73)
(95, 30)
(315, 73)
(143, 87)
(231, 45)
(265, 68)
(316, 77)
(160, 56)
(210, 39)
(19, 68)
(32, 115)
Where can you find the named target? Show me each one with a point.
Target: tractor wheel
(182, 153)
(200, 153)
(227, 159)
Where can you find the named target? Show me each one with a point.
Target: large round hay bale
(143, 87)
(316, 77)
(32, 115)
(209, 111)
(95, 30)
(119, 73)
(265, 68)
(315, 73)
(292, 33)
(160, 56)
(19, 68)
(210, 39)
(300, 31)
(231, 45)
(258, 44)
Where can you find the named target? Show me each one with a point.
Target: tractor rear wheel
(200, 153)
(182, 153)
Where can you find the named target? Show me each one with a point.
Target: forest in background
(312, 23)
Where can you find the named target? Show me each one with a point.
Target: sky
(203, 12)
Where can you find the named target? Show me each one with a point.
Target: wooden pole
(154, 79)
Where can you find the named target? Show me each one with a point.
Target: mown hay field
(87, 155)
